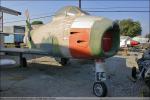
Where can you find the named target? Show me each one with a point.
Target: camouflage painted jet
(73, 33)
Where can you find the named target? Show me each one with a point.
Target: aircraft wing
(23, 51)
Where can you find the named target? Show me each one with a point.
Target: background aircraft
(126, 41)
(73, 33)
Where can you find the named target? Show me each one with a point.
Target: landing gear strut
(99, 87)
(23, 61)
(64, 61)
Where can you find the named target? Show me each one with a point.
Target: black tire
(64, 61)
(102, 86)
(24, 62)
(134, 72)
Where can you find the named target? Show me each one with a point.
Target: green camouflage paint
(54, 36)
(96, 37)
(56, 48)
(52, 46)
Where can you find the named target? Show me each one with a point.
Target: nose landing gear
(99, 87)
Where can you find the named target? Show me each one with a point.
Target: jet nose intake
(104, 39)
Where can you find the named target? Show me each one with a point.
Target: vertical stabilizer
(27, 38)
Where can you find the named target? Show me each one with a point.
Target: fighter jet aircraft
(73, 33)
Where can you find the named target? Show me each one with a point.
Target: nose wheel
(99, 87)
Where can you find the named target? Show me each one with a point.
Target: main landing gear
(63, 61)
(99, 87)
(23, 61)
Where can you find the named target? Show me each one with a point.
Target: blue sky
(43, 8)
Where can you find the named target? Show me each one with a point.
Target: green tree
(36, 22)
(131, 28)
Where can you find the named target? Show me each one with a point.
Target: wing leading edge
(24, 51)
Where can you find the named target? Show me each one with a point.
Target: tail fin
(27, 37)
(28, 25)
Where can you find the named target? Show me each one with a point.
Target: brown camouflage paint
(79, 36)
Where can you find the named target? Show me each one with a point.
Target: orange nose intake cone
(79, 43)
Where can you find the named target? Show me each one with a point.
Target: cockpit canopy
(70, 11)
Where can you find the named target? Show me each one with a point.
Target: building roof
(9, 11)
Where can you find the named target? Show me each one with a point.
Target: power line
(87, 11)
(75, 0)
(114, 11)
(30, 19)
(91, 11)
(114, 7)
(44, 14)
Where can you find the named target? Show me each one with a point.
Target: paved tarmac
(45, 77)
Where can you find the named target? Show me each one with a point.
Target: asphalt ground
(44, 77)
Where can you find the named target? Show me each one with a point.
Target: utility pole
(1, 21)
(80, 4)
